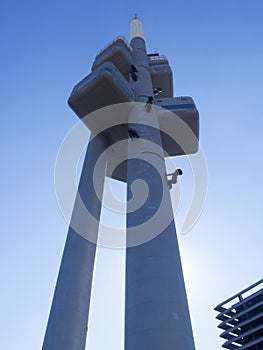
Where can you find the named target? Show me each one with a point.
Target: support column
(156, 310)
(68, 319)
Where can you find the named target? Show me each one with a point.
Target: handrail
(122, 38)
(161, 59)
(239, 295)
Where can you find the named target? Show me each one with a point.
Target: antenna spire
(136, 28)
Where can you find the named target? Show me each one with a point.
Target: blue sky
(215, 50)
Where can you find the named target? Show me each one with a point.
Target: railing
(158, 59)
(241, 319)
(241, 295)
(119, 38)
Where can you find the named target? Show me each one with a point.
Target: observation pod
(105, 82)
(180, 115)
(117, 52)
(161, 74)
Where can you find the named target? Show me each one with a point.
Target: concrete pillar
(68, 319)
(156, 309)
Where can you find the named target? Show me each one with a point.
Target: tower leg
(68, 319)
(156, 309)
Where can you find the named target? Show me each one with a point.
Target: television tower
(153, 125)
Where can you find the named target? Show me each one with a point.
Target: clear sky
(215, 50)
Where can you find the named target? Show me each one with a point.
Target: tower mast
(156, 310)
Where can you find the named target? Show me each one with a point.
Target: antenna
(136, 28)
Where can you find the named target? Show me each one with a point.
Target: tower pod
(103, 87)
(117, 52)
(162, 75)
(180, 118)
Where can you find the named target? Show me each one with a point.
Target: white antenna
(136, 28)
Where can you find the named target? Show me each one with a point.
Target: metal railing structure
(156, 59)
(241, 319)
(117, 39)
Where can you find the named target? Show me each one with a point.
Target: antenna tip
(136, 28)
